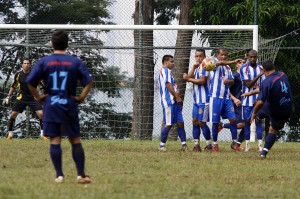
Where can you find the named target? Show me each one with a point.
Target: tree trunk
(182, 55)
(143, 104)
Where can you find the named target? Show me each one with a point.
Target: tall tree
(144, 72)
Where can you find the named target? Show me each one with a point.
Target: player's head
(268, 65)
(26, 65)
(59, 40)
(168, 61)
(199, 55)
(240, 63)
(222, 54)
(252, 57)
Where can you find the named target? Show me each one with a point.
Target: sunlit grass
(135, 169)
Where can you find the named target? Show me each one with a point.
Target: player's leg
(53, 132)
(180, 125)
(246, 115)
(17, 108)
(276, 125)
(215, 108)
(39, 112)
(78, 157)
(168, 122)
(203, 117)
(196, 129)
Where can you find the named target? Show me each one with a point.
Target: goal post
(124, 60)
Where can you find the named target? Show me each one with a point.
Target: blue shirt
(236, 88)
(276, 94)
(201, 91)
(60, 73)
(165, 76)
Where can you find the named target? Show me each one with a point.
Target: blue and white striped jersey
(248, 72)
(165, 75)
(201, 92)
(217, 76)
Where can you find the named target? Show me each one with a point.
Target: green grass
(135, 169)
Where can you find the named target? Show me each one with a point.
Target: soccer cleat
(197, 148)
(9, 137)
(83, 179)
(59, 179)
(162, 149)
(43, 138)
(184, 148)
(247, 149)
(216, 148)
(238, 148)
(262, 157)
(208, 147)
(232, 145)
(220, 127)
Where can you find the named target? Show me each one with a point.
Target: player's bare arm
(250, 83)
(202, 80)
(235, 100)
(256, 91)
(84, 93)
(225, 62)
(39, 98)
(257, 107)
(172, 91)
(228, 81)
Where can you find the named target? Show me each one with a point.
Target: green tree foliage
(107, 79)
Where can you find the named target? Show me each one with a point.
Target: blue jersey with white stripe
(248, 72)
(60, 73)
(217, 88)
(165, 75)
(201, 92)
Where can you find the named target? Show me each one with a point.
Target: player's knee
(13, 115)
(195, 121)
(201, 124)
(180, 124)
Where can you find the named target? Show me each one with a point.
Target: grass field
(135, 169)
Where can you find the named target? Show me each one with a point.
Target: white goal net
(124, 61)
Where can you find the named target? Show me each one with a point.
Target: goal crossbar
(253, 28)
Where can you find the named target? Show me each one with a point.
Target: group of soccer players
(254, 92)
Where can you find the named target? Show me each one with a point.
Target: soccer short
(52, 129)
(220, 107)
(276, 123)
(200, 111)
(238, 113)
(247, 112)
(20, 105)
(172, 114)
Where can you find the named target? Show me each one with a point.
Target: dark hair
(201, 50)
(268, 65)
(166, 58)
(26, 58)
(222, 49)
(59, 40)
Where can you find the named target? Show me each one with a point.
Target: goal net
(124, 61)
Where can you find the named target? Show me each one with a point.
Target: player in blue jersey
(235, 95)
(24, 99)
(220, 103)
(61, 73)
(171, 103)
(200, 80)
(274, 101)
(251, 75)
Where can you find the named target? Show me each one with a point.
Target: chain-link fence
(124, 102)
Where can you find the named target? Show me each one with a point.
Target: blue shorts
(220, 107)
(247, 112)
(238, 113)
(200, 111)
(172, 114)
(52, 129)
(276, 123)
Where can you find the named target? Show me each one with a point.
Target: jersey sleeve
(84, 75)
(15, 82)
(35, 75)
(264, 92)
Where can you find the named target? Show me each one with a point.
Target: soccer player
(235, 95)
(61, 73)
(220, 104)
(200, 80)
(24, 99)
(274, 101)
(252, 75)
(171, 103)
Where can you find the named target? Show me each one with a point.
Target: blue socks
(259, 130)
(241, 136)
(206, 132)
(164, 135)
(56, 157)
(196, 132)
(215, 131)
(181, 134)
(247, 131)
(233, 130)
(79, 158)
(270, 140)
